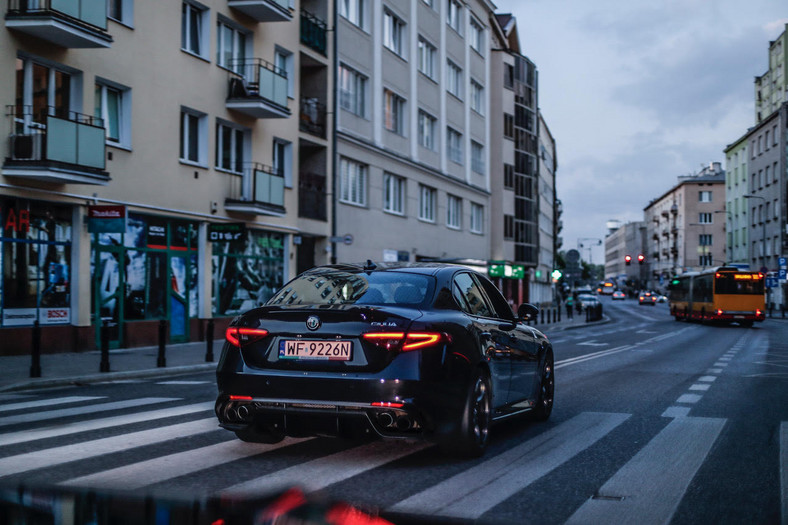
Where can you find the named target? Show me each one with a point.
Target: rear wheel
(472, 436)
(544, 402)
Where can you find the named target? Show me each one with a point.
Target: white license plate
(308, 349)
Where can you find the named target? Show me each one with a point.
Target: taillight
(238, 335)
(403, 341)
(719, 312)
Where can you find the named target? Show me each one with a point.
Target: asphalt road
(655, 421)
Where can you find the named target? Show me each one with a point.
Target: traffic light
(628, 259)
(641, 258)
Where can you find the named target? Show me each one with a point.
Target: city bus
(606, 288)
(724, 294)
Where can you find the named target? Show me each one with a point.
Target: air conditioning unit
(26, 147)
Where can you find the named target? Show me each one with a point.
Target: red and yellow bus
(724, 294)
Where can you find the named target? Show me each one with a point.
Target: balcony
(264, 10)
(259, 191)
(312, 196)
(313, 117)
(258, 89)
(66, 23)
(63, 147)
(313, 32)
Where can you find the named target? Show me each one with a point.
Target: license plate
(738, 317)
(308, 349)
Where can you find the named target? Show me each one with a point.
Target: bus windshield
(739, 283)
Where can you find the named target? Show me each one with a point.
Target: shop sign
(509, 271)
(157, 233)
(106, 219)
(234, 231)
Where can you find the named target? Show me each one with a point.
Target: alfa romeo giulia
(428, 351)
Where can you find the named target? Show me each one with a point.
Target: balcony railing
(264, 10)
(313, 117)
(312, 196)
(55, 145)
(67, 23)
(313, 32)
(258, 88)
(259, 191)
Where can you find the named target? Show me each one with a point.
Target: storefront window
(35, 256)
(246, 273)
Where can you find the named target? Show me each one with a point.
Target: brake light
(403, 341)
(237, 335)
(240, 398)
(387, 404)
(719, 312)
(758, 313)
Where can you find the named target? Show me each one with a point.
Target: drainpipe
(334, 163)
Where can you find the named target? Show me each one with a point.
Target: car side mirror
(527, 311)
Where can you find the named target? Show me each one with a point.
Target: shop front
(143, 276)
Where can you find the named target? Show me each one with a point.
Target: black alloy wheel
(544, 403)
(474, 430)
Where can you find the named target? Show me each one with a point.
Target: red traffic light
(641, 258)
(628, 259)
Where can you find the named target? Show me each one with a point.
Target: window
(704, 196)
(194, 29)
(470, 297)
(508, 176)
(477, 97)
(230, 47)
(454, 15)
(508, 76)
(766, 175)
(477, 157)
(508, 227)
(508, 126)
(705, 218)
(454, 79)
(121, 11)
(352, 91)
(705, 260)
(704, 239)
(477, 36)
(112, 104)
(393, 33)
(193, 136)
(352, 182)
(353, 11)
(427, 199)
(229, 148)
(453, 212)
(283, 60)
(427, 58)
(477, 218)
(454, 145)
(775, 173)
(427, 130)
(282, 160)
(393, 112)
(394, 194)
(48, 89)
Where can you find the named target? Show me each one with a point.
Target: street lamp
(763, 223)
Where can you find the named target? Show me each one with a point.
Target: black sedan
(430, 351)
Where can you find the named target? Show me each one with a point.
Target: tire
(472, 435)
(544, 401)
(257, 435)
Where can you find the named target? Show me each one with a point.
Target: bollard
(104, 333)
(209, 342)
(541, 312)
(161, 361)
(35, 366)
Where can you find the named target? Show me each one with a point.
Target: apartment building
(771, 88)
(627, 242)
(163, 161)
(413, 134)
(685, 226)
(736, 206)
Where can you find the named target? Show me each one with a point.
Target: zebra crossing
(648, 487)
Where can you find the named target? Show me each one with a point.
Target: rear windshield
(342, 287)
(739, 283)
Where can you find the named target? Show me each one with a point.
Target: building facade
(164, 162)
(771, 88)
(627, 239)
(736, 206)
(413, 135)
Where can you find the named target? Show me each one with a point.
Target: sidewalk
(64, 369)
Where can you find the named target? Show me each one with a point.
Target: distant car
(421, 351)
(587, 301)
(647, 298)
(618, 294)
(662, 298)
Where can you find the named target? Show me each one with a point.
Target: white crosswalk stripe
(46, 402)
(30, 417)
(473, 492)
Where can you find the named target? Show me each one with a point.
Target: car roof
(426, 268)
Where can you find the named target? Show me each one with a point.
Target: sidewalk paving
(63, 369)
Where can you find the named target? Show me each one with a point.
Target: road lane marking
(476, 490)
(714, 370)
(707, 379)
(784, 471)
(30, 417)
(701, 388)
(676, 412)
(138, 475)
(592, 343)
(654, 481)
(185, 382)
(322, 472)
(48, 402)
(97, 424)
(689, 398)
(593, 355)
(98, 447)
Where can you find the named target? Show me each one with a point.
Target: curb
(108, 376)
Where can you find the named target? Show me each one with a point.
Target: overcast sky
(637, 93)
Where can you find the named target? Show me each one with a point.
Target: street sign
(346, 239)
(781, 274)
(782, 262)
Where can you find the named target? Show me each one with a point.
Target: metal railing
(257, 78)
(313, 117)
(259, 184)
(313, 32)
(90, 12)
(312, 201)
